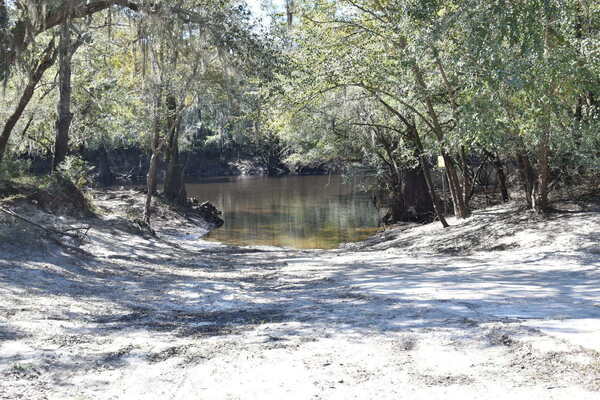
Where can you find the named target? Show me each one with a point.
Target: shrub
(76, 170)
(13, 168)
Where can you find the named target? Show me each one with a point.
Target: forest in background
(387, 86)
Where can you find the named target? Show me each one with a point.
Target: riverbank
(127, 166)
(502, 305)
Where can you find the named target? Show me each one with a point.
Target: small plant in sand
(76, 170)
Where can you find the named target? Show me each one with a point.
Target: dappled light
(293, 199)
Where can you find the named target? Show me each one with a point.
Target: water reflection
(297, 211)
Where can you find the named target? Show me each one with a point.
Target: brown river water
(302, 212)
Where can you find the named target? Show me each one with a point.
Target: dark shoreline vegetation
(122, 166)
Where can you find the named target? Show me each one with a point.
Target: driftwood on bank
(81, 232)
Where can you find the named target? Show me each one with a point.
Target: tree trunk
(153, 169)
(541, 186)
(540, 195)
(468, 177)
(48, 58)
(63, 109)
(289, 10)
(501, 177)
(410, 198)
(456, 192)
(174, 189)
(425, 168)
(461, 189)
(4, 43)
(418, 205)
(174, 183)
(460, 207)
(151, 185)
(527, 177)
(500, 174)
(412, 136)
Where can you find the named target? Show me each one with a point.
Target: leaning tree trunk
(174, 186)
(48, 58)
(461, 209)
(412, 136)
(63, 109)
(437, 206)
(425, 168)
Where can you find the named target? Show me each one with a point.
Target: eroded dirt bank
(473, 312)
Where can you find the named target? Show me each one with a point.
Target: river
(302, 212)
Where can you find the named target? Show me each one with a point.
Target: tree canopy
(384, 85)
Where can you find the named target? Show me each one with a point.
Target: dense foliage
(388, 85)
(389, 81)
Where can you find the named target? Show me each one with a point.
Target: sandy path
(146, 320)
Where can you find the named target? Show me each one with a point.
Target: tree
(528, 95)
(335, 53)
(66, 49)
(35, 75)
(471, 77)
(23, 21)
(183, 54)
